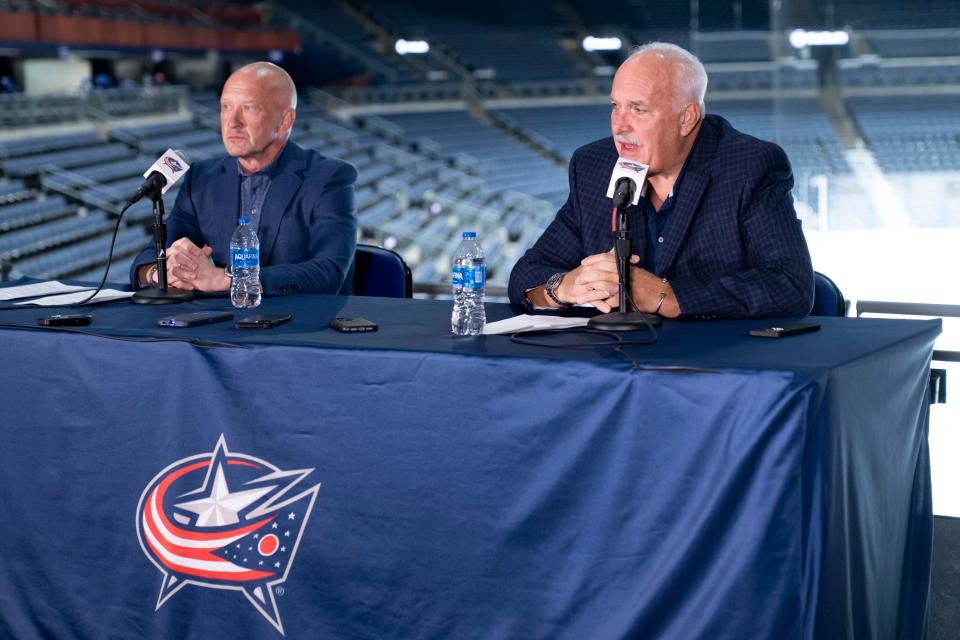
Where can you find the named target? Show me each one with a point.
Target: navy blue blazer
(733, 245)
(307, 228)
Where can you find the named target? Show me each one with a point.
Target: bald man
(715, 235)
(300, 202)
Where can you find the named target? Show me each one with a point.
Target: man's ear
(689, 117)
(286, 122)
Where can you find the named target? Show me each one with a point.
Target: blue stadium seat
(380, 272)
(827, 297)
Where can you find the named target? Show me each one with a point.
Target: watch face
(551, 287)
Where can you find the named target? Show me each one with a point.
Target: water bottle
(245, 264)
(469, 278)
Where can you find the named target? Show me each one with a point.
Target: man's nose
(618, 123)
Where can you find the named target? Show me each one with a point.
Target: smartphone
(195, 318)
(263, 321)
(785, 330)
(66, 320)
(352, 325)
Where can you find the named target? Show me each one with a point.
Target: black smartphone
(785, 330)
(195, 318)
(263, 321)
(66, 320)
(352, 325)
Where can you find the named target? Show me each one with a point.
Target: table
(409, 484)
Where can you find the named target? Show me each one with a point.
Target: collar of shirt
(253, 190)
(656, 223)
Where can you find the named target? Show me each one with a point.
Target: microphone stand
(161, 294)
(623, 319)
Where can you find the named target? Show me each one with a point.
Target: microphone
(168, 168)
(623, 193)
(636, 172)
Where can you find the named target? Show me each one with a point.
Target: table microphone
(168, 168)
(624, 192)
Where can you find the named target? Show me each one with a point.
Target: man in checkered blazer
(715, 235)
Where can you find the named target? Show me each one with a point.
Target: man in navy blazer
(715, 235)
(300, 202)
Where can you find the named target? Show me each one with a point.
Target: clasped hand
(189, 267)
(595, 282)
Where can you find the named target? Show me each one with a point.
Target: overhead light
(403, 47)
(594, 43)
(800, 38)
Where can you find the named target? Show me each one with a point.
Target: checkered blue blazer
(733, 246)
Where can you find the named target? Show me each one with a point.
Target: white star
(261, 563)
(276, 564)
(274, 526)
(282, 549)
(221, 507)
(286, 533)
(291, 516)
(256, 535)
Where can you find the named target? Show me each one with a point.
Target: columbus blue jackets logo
(225, 520)
(172, 164)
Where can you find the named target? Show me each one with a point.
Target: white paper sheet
(532, 323)
(50, 287)
(69, 298)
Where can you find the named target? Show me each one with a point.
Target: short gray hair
(691, 76)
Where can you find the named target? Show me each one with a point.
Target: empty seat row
(47, 144)
(22, 214)
(31, 165)
(44, 236)
(81, 256)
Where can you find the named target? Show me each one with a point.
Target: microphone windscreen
(635, 171)
(172, 165)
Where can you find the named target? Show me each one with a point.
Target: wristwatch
(553, 283)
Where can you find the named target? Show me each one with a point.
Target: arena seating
(910, 133)
(80, 257)
(436, 166)
(505, 164)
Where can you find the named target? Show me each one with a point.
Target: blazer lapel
(224, 210)
(284, 186)
(695, 180)
(694, 184)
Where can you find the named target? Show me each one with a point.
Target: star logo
(195, 516)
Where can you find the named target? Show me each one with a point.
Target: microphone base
(619, 321)
(170, 295)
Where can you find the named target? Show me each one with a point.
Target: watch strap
(553, 283)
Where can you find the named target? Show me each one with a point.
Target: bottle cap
(469, 234)
(244, 221)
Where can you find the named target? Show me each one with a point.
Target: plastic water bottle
(245, 263)
(469, 278)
